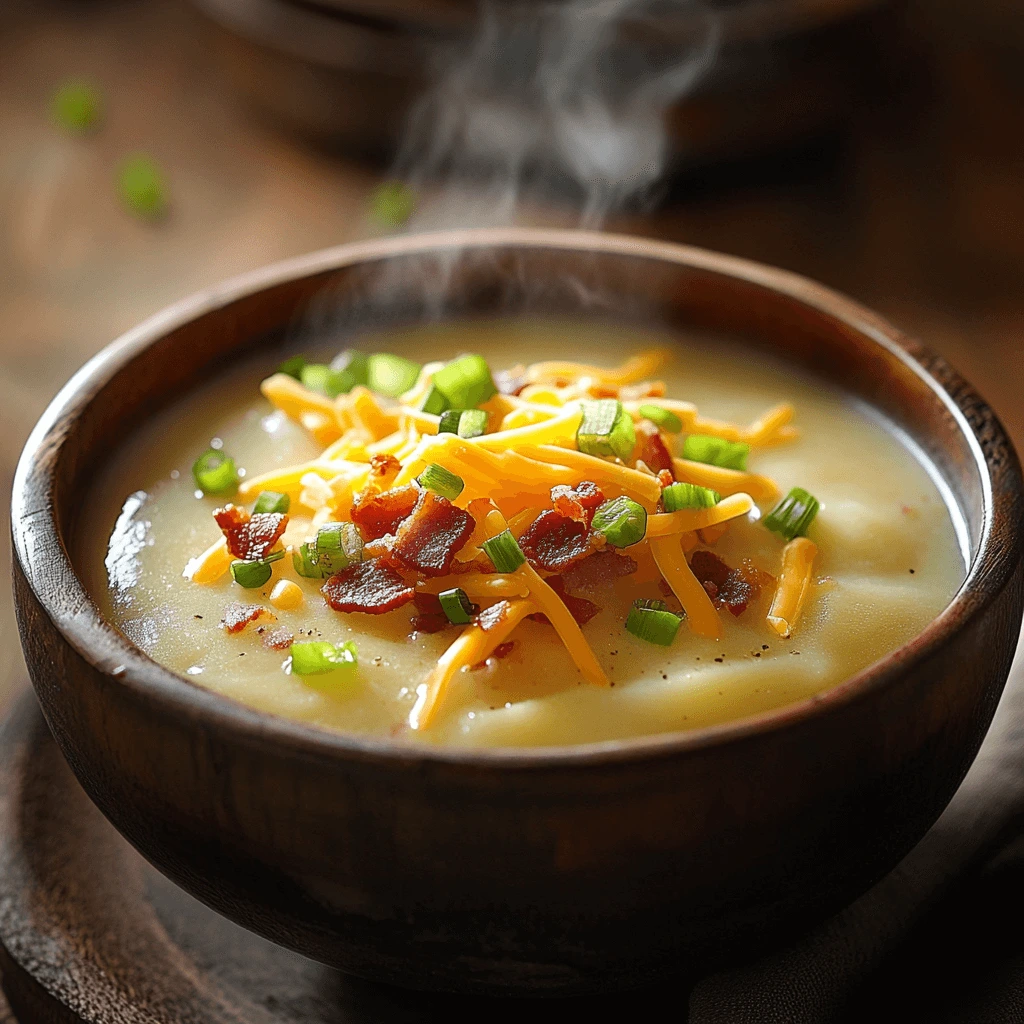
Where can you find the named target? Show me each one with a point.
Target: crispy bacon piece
(579, 502)
(580, 608)
(729, 588)
(384, 469)
(431, 617)
(277, 639)
(428, 539)
(367, 587)
(250, 536)
(665, 478)
(238, 616)
(603, 566)
(380, 513)
(553, 542)
(653, 449)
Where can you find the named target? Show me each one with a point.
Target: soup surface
(886, 559)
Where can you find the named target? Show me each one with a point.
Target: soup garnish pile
(468, 510)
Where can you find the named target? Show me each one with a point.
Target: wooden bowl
(553, 870)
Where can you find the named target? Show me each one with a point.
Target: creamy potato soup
(519, 533)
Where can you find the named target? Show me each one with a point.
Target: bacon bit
(580, 608)
(378, 514)
(554, 542)
(238, 616)
(578, 503)
(729, 588)
(250, 537)
(665, 477)
(277, 639)
(428, 539)
(511, 381)
(384, 469)
(427, 604)
(367, 587)
(653, 449)
(501, 651)
(600, 567)
(429, 623)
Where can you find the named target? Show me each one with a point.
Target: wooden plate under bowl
(536, 871)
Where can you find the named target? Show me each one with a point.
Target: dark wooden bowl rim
(96, 640)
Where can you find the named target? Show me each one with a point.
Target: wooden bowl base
(91, 932)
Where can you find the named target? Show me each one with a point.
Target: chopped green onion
(392, 203)
(141, 186)
(215, 473)
(456, 605)
(293, 367)
(622, 521)
(390, 375)
(272, 501)
(315, 657)
(305, 565)
(649, 621)
(353, 362)
(466, 382)
(679, 496)
(663, 419)
(76, 106)
(449, 422)
(472, 423)
(606, 429)
(255, 573)
(335, 547)
(441, 481)
(435, 403)
(794, 514)
(716, 452)
(321, 378)
(504, 552)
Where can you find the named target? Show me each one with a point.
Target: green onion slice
(305, 565)
(606, 429)
(315, 657)
(321, 378)
(679, 496)
(141, 186)
(449, 422)
(254, 574)
(622, 521)
(272, 501)
(390, 375)
(353, 362)
(435, 403)
(663, 419)
(504, 552)
(335, 547)
(649, 621)
(76, 106)
(456, 605)
(794, 514)
(465, 382)
(716, 452)
(215, 473)
(293, 367)
(392, 203)
(441, 481)
(472, 423)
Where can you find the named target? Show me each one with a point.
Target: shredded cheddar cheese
(793, 586)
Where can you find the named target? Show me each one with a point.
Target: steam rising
(569, 94)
